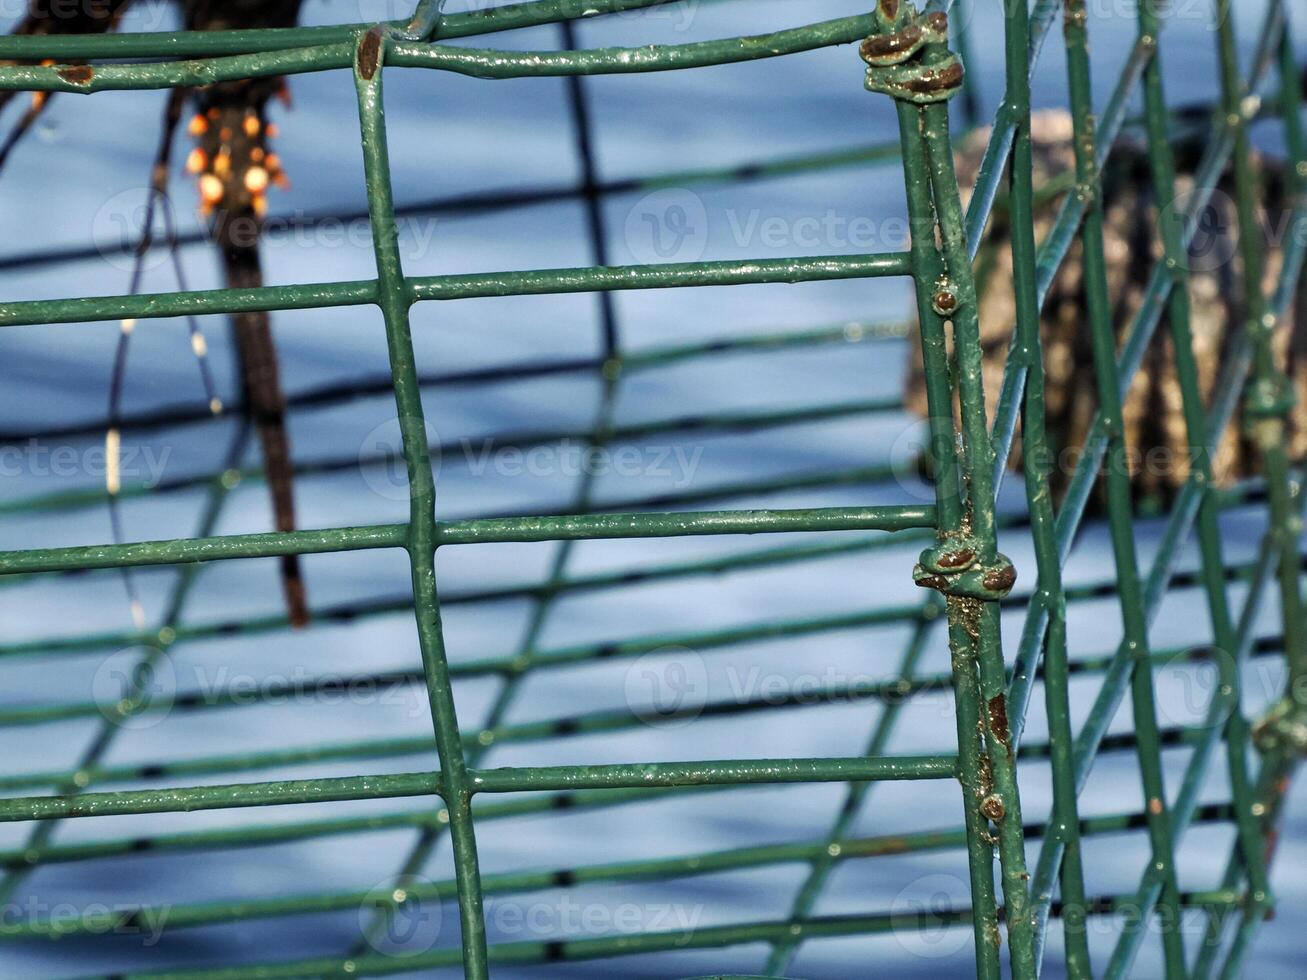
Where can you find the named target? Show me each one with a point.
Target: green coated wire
(990, 699)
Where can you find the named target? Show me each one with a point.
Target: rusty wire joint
(907, 55)
(954, 568)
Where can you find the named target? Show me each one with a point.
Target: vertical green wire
(1270, 396)
(1003, 805)
(1268, 401)
(1106, 703)
(945, 286)
(1037, 459)
(973, 766)
(544, 605)
(1163, 170)
(1118, 485)
(1291, 107)
(395, 302)
(966, 501)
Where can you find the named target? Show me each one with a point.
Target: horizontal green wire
(185, 44)
(579, 527)
(698, 495)
(566, 778)
(708, 937)
(256, 835)
(260, 835)
(352, 612)
(1221, 898)
(701, 641)
(478, 63)
(451, 287)
(158, 918)
(383, 606)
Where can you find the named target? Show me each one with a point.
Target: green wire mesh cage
(1028, 883)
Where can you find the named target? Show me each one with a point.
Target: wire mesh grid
(968, 581)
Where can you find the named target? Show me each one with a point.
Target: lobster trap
(972, 555)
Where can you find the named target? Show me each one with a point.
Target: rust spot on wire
(933, 81)
(998, 721)
(957, 559)
(992, 807)
(945, 302)
(370, 53)
(77, 74)
(892, 47)
(889, 8)
(1001, 579)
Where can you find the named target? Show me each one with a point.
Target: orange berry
(256, 180)
(198, 125)
(211, 189)
(197, 162)
(252, 126)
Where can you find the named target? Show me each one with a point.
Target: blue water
(81, 174)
